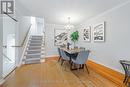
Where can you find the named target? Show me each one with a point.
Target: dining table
(71, 50)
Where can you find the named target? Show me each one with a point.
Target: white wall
(40, 25)
(1, 44)
(117, 43)
(50, 49)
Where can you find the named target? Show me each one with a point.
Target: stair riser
(35, 42)
(35, 45)
(33, 59)
(33, 52)
(32, 62)
(36, 38)
(34, 56)
(33, 49)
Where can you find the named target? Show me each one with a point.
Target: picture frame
(99, 32)
(86, 34)
(60, 37)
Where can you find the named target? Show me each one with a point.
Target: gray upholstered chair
(76, 47)
(81, 59)
(82, 48)
(64, 57)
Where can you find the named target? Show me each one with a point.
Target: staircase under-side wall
(35, 49)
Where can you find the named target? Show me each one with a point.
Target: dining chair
(76, 47)
(126, 66)
(82, 48)
(64, 57)
(59, 51)
(81, 60)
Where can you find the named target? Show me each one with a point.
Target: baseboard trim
(2, 81)
(106, 72)
(7, 76)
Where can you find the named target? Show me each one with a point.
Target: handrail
(6, 57)
(11, 17)
(24, 47)
(24, 37)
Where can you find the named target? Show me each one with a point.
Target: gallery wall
(117, 33)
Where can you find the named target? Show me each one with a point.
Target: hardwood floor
(52, 74)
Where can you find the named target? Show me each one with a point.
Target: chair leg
(82, 66)
(86, 68)
(129, 84)
(71, 65)
(78, 66)
(59, 59)
(127, 79)
(62, 61)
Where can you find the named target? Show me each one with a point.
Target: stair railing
(25, 38)
(24, 45)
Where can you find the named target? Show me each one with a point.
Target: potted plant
(75, 37)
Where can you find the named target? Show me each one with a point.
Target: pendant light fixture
(69, 25)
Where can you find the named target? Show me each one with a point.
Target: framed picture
(87, 34)
(99, 32)
(60, 37)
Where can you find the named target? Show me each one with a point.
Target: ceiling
(57, 11)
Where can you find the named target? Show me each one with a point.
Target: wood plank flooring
(52, 74)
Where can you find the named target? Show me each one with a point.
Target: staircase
(35, 49)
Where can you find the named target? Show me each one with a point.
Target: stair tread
(31, 59)
(33, 54)
(36, 35)
(35, 43)
(35, 39)
(32, 62)
(32, 41)
(33, 50)
(34, 46)
(30, 52)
